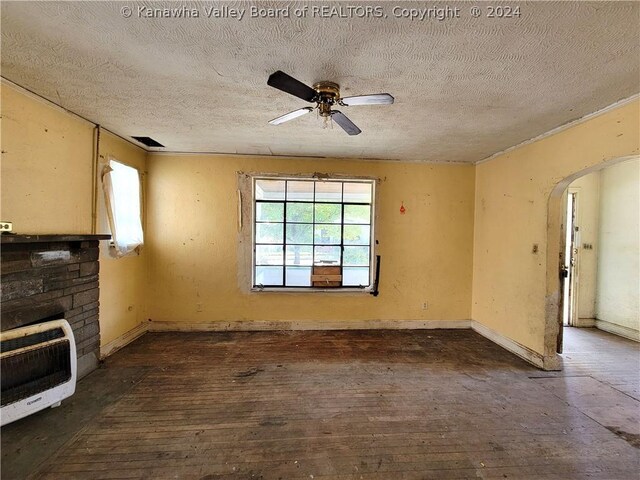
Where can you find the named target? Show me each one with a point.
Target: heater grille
(39, 368)
(34, 370)
(29, 340)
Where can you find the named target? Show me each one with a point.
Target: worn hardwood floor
(439, 404)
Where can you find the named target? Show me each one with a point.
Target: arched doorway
(556, 261)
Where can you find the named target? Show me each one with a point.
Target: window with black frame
(306, 228)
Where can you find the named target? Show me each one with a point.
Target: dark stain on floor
(632, 438)
(249, 373)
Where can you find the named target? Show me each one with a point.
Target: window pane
(355, 276)
(299, 233)
(269, 276)
(328, 191)
(269, 189)
(326, 256)
(298, 277)
(357, 192)
(304, 222)
(300, 191)
(357, 214)
(299, 255)
(357, 234)
(269, 233)
(300, 212)
(356, 256)
(269, 255)
(124, 204)
(269, 212)
(327, 234)
(328, 213)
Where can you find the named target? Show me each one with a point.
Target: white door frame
(573, 260)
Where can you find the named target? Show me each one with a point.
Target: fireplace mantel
(51, 238)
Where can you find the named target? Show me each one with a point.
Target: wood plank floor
(439, 404)
(607, 358)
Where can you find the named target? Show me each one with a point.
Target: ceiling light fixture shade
(291, 115)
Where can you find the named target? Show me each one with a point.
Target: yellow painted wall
(46, 166)
(512, 193)
(122, 280)
(431, 254)
(192, 240)
(47, 182)
(618, 282)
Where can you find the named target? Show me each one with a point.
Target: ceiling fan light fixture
(325, 95)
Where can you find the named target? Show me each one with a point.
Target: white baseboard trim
(123, 340)
(585, 323)
(512, 346)
(620, 330)
(266, 325)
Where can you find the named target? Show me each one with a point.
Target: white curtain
(121, 185)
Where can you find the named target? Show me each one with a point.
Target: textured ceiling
(465, 88)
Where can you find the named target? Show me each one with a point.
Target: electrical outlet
(425, 305)
(198, 307)
(6, 227)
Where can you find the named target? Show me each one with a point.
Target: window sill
(312, 290)
(132, 253)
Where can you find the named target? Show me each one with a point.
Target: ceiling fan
(325, 95)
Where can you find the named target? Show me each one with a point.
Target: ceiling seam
(51, 103)
(563, 127)
(553, 131)
(307, 157)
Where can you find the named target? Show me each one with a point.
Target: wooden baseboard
(265, 325)
(625, 332)
(585, 323)
(512, 346)
(124, 340)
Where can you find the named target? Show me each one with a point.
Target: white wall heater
(38, 365)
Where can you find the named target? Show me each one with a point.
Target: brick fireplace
(46, 277)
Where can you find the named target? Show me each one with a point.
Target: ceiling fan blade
(375, 99)
(290, 85)
(291, 115)
(346, 124)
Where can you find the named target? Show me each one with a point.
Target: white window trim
(246, 233)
